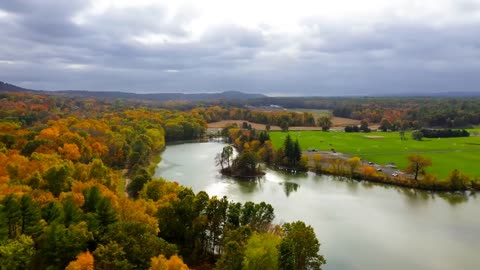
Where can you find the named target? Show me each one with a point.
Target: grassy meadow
(316, 113)
(447, 154)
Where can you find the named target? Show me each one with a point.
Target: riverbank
(282, 150)
(446, 154)
(336, 164)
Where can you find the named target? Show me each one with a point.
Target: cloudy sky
(275, 47)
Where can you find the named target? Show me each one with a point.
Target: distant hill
(11, 87)
(228, 95)
(127, 95)
(430, 94)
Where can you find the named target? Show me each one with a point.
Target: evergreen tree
(296, 154)
(288, 148)
(92, 197)
(30, 216)
(292, 152)
(58, 178)
(58, 245)
(106, 213)
(52, 212)
(263, 137)
(71, 213)
(12, 216)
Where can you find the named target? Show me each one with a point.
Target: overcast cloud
(274, 47)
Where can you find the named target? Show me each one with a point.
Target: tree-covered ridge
(65, 166)
(399, 112)
(279, 118)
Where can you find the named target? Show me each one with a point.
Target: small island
(244, 165)
(255, 148)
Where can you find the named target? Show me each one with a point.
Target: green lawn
(446, 153)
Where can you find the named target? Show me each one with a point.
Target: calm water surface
(360, 225)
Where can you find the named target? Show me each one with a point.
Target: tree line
(444, 133)
(395, 112)
(416, 173)
(275, 117)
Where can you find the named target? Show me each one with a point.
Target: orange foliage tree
(368, 171)
(70, 151)
(84, 261)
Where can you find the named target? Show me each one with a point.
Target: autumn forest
(76, 191)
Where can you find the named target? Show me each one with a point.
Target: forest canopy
(77, 192)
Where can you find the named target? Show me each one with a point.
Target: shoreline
(440, 186)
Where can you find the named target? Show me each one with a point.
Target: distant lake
(360, 225)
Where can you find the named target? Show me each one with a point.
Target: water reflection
(454, 199)
(249, 186)
(352, 185)
(415, 198)
(361, 225)
(421, 197)
(289, 187)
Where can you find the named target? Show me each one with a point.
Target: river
(360, 225)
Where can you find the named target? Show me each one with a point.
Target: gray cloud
(44, 48)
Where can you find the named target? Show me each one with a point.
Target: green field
(316, 113)
(447, 154)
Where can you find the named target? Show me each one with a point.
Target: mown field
(336, 121)
(316, 113)
(447, 154)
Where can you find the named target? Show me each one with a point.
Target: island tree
(246, 165)
(224, 158)
(292, 153)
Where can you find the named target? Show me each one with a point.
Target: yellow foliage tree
(139, 211)
(317, 162)
(354, 163)
(304, 160)
(161, 263)
(337, 165)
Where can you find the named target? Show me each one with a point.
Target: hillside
(10, 87)
(130, 95)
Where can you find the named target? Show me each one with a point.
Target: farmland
(447, 154)
(337, 123)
